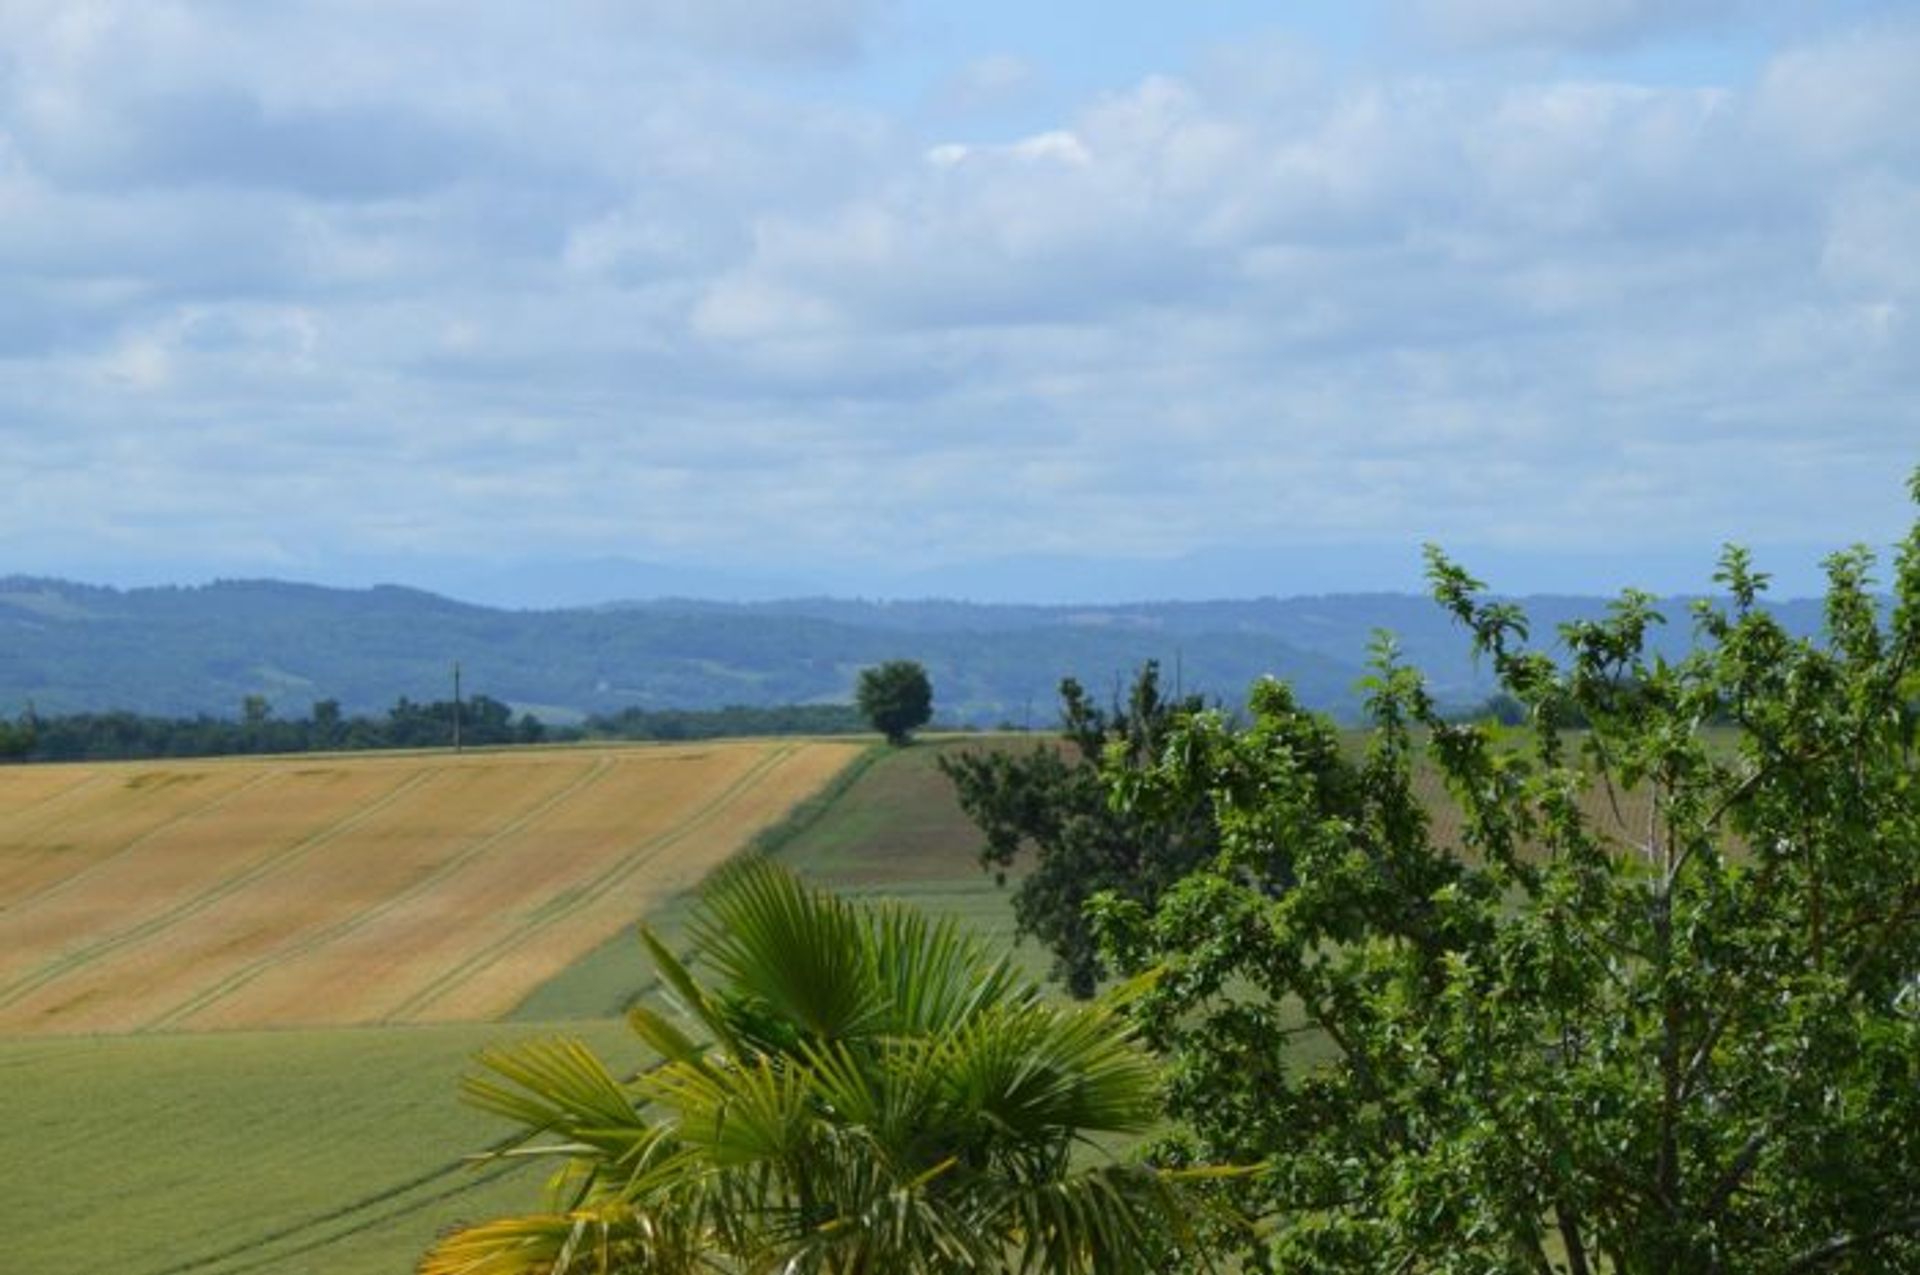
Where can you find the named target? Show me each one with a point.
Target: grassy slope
(331, 1150)
(889, 828)
(338, 1150)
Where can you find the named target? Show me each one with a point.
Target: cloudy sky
(1005, 299)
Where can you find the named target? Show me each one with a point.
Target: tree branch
(1826, 1251)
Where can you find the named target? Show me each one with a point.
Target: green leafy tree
(859, 1090)
(17, 738)
(326, 727)
(1647, 999)
(1051, 802)
(896, 697)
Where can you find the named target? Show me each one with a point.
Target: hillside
(68, 647)
(335, 889)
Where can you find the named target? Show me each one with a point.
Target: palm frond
(934, 975)
(758, 1113)
(689, 995)
(798, 951)
(583, 1242)
(660, 1035)
(1114, 1220)
(1036, 1069)
(558, 1086)
(882, 1094)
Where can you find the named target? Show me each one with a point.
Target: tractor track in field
(80, 958)
(359, 1212)
(238, 979)
(349, 1210)
(55, 888)
(48, 799)
(565, 905)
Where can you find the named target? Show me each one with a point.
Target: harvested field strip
(177, 864)
(362, 974)
(106, 860)
(407, 836)
(155, 925)
(61, 838)
(432, 880)
(663, 873)
(559, 907)
(31, 787)
(313, 891)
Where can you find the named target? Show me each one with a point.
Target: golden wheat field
(348, 889)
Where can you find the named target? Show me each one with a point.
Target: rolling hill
(68, 647)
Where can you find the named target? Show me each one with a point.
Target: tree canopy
(1050, 802)
(897, 697)
(17, 738)
(1642, 996)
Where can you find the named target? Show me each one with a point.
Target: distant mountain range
(68, 647)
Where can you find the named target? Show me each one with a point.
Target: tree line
(113, 736)
(484, 722)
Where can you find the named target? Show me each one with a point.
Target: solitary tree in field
(896, 697)
(1641, 997)
(854, 1090)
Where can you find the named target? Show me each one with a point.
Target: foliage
(17, 737)
(873, 1094)
(105, 736)
(484, 722)
(1053, 800)
(735, 720)
(1690, 1045)
(896, 697)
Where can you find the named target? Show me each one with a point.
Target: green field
(889, 827)
(341, 1150)
(333, 1150)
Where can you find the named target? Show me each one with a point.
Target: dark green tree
(1646, 1000)
(1052, 802)
(896, 697)
(17, 738)
(326, 729)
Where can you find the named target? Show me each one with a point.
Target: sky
(1076, 301)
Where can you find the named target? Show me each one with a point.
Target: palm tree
(869, 1094)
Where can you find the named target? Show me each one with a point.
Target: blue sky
(1065, 301)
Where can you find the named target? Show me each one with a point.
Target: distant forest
(193, 656)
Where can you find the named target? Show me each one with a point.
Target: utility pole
(456, 706)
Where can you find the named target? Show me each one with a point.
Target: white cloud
(356, 243)
(1848, 97)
